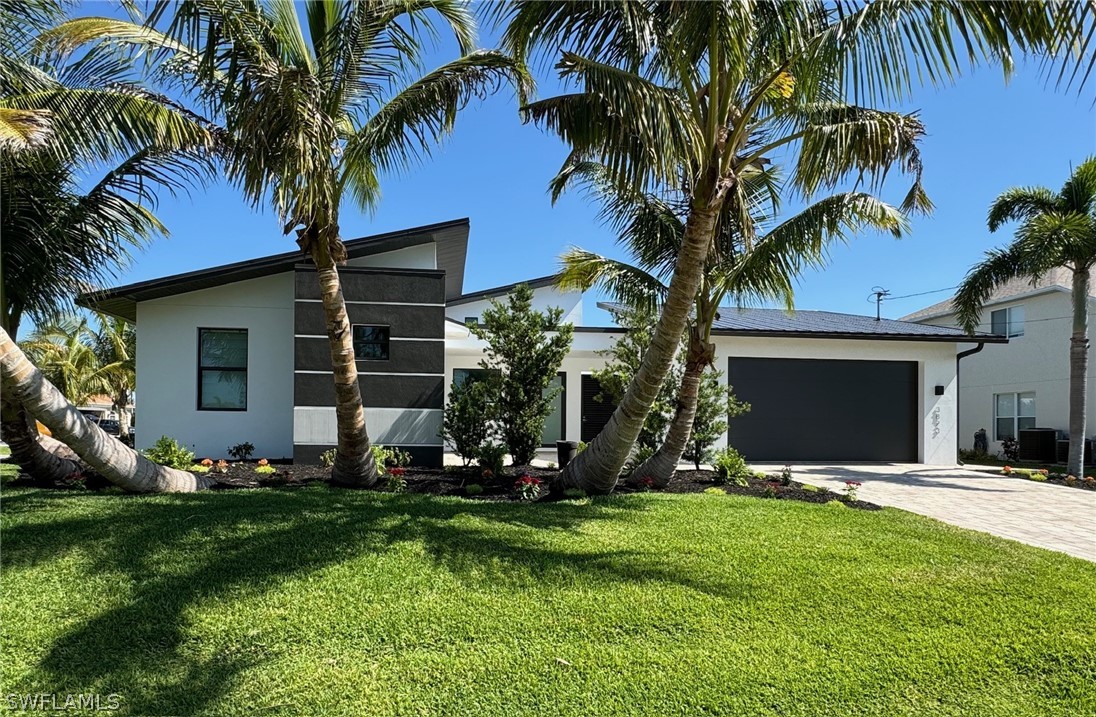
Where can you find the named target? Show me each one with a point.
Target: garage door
(825, 410)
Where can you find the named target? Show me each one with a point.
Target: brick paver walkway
(1041, 514)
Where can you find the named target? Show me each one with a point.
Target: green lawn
(316, 601)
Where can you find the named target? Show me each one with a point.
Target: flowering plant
(528, 487)
(222, 466)
(397, 471)
(488, 473)
(646, 483)
(1044, 471)
(207, 462)
(1006, 470)
(850, 488)
(264, 462)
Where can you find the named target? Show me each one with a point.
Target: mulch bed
(454, 481)
(1087, 483)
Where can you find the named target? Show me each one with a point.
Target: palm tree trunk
(354, 465)
(1078, 373)
(30, 450)
(121, 465)
(597, 469)
(662, 466)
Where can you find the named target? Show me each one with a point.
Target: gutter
(958, 393)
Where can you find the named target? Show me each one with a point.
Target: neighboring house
(239, 353)
(1025, 383)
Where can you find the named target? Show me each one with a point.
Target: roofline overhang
(500, 291)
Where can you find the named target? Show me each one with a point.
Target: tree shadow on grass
(175, 553)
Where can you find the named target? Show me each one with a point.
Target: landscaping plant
(525, 349)
(730, 467)
(528, 487)
(466, 421)
(169, 452)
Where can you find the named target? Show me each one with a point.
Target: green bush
(730, 467)
(241, 451)
(167, 452)
(265, 469)
(386, 457)
(473, 489)
(715, 491)
(198, 468)
(492, 457)
(327, 458)
(466, 421)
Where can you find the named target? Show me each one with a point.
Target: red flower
(487, 473)
(1006, 469)
(647, 482)
(526, 480)
(397, 471)
(853, 483)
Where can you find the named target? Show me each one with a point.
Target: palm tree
(1057, 230)
(115, 345)
(65, 354)
(745, 266)
(666, 85)
(312, 119)
(59, 237)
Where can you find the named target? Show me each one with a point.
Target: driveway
(1041, 514)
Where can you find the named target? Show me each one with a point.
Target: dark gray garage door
(825, 410)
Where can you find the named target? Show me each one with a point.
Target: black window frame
(387, 342)
(202, 368)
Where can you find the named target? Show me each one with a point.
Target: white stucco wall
(543, 298)
(167, 369)
(936, 366)
(1038, 362)
(422, 256)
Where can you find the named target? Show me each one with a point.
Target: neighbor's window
(462, 375)
(1012, 412)
(371, 342)
(471, 320)
(1007, 322)
(222, 369)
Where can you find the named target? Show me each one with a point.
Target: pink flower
(853, 483)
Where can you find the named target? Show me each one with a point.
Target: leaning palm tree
(744, 266)
(309, 107)
(60, 235)
(1057, 230)
(666, 85)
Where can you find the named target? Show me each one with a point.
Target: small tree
(466, 424)
(716, 403)
(625, 357)
(525, 349)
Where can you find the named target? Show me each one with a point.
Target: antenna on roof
(878, 293)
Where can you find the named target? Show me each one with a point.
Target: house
(239, 353)
(1025, 383)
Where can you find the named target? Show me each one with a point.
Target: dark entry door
(595, 413)
(825, 410)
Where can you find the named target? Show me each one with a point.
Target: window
(370, 342)
(222, 369)
(555, 423)
(461, 375)
(1007, 322)
(1012, 412)
(471, 321)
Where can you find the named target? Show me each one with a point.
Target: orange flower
(264, 462)
(1006, 470)
(207, 462)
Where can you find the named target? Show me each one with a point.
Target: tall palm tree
(64, 352)
(115, 344)
(666, 85)
(313, 120)
(59, 237)
(745, 265)
(1057, 230)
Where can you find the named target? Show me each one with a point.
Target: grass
(319, 601)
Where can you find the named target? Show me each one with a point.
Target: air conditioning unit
(1037, 445)
(1063, 451)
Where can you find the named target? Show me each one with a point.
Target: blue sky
(983, 136)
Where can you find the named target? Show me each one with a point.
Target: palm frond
(22, 130)
(999, 267)
(1019, 203)
(582, 270)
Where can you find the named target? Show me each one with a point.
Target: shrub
(327, 458)
(1036, 477)
(263, 462)
(730, 466)
(716, 403)
(1011, 448)
(199, 468)
(525, 348)
(473, 489)
(241, 451)
(574, 493)
(385, 457)
(167, 452)
(266, 469)
(851, 486)
(809, 488)
(222, 466)
(715, 491)
(772, 490)
(395, 481)
(527, 487)
(466, 421)
(786, 476)
(492, 458)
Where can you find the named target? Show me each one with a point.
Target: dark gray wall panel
(394, 391)
(595, 414)
(379, 284)
(426, 456)
(403, 357)
(825, 410)
(419, 322)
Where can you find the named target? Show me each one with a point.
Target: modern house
(1024, 384)
(239, 353)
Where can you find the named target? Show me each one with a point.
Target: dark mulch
(1057, 475)
(454, 481)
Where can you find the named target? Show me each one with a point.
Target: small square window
(371, 342)
(1007, 322)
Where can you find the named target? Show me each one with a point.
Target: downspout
(959, 357)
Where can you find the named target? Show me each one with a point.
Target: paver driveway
(1042, 514)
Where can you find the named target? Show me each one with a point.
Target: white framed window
(1012, 412)
(1007, 322)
